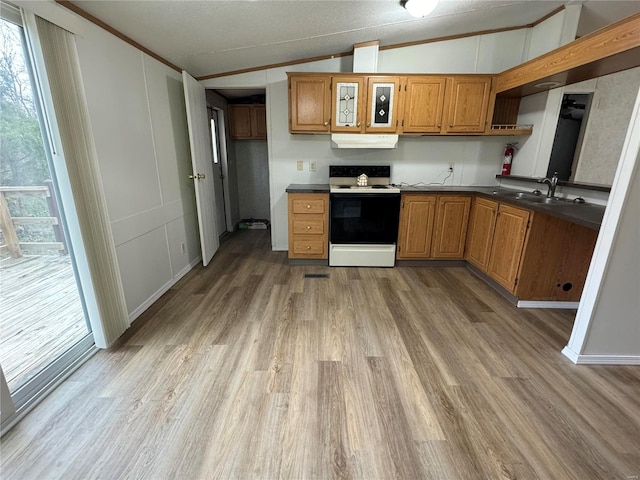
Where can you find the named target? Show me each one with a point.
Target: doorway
(567, 142)
(249, 153)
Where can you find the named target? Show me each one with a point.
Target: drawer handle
(308, 247)
(308, 206)
(308, 227)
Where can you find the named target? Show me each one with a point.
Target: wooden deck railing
(8, 223)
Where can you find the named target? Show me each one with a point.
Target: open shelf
(510, 130)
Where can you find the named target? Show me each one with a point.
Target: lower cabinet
(480, 237)
(555, 261)
(450, 233)
(308, 225)
(416, 226)
(433, 226)
(509, 237)
(534, 256)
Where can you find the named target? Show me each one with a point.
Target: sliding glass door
(43, 324)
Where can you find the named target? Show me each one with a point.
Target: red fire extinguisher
(508, 158)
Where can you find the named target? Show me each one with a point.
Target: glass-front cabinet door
(382, 105)
(348, 104)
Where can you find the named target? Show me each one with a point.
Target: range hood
(365, 59)
(358, 140)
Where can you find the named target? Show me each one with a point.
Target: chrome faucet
(552, 183)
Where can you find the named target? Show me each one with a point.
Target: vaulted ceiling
(219, 36)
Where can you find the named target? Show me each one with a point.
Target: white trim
(162, 290)
(606, 359)
(55, 14)
(570, 354)
(607, 235)
(540, 304)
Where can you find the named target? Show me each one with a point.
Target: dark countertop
(308, 188)
(587, 214)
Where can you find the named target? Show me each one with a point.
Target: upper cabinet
(383, 101)
(365, 104)
(423, 104)
(349, 108)
(247, 122)
(411, 104)
(309, 103)
(467, 104)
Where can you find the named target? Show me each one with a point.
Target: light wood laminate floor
(247, 369)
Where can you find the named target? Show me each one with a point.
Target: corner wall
(138, 118)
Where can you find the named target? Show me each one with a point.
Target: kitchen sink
(547, 200)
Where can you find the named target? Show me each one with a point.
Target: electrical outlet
(451, 165)
(300, 165)
(312, 166)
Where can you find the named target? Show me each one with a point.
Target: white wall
(611, 108)
(615, 328)
(137, 111)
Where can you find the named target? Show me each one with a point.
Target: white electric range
(364, 211)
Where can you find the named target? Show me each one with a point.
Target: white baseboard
(570, 354)
(541, 304)
(600, 359)
(162, 290)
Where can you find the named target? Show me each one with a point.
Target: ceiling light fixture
(419, 8)
(548, 84)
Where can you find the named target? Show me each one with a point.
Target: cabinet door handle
(451, 124)
(439, 125)
(308, 247)
(358, 124)
(326, 123)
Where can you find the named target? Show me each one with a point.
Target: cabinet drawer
(308, 247)
(315, 205)
(308, 225)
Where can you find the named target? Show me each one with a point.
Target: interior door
(202, 163)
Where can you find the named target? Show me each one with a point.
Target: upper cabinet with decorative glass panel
(383, 105)
(348, 104)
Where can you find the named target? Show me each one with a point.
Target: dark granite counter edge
(587, 215)
(308, 188)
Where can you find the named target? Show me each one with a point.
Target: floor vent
(316, 275)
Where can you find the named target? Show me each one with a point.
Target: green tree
(22, 156)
